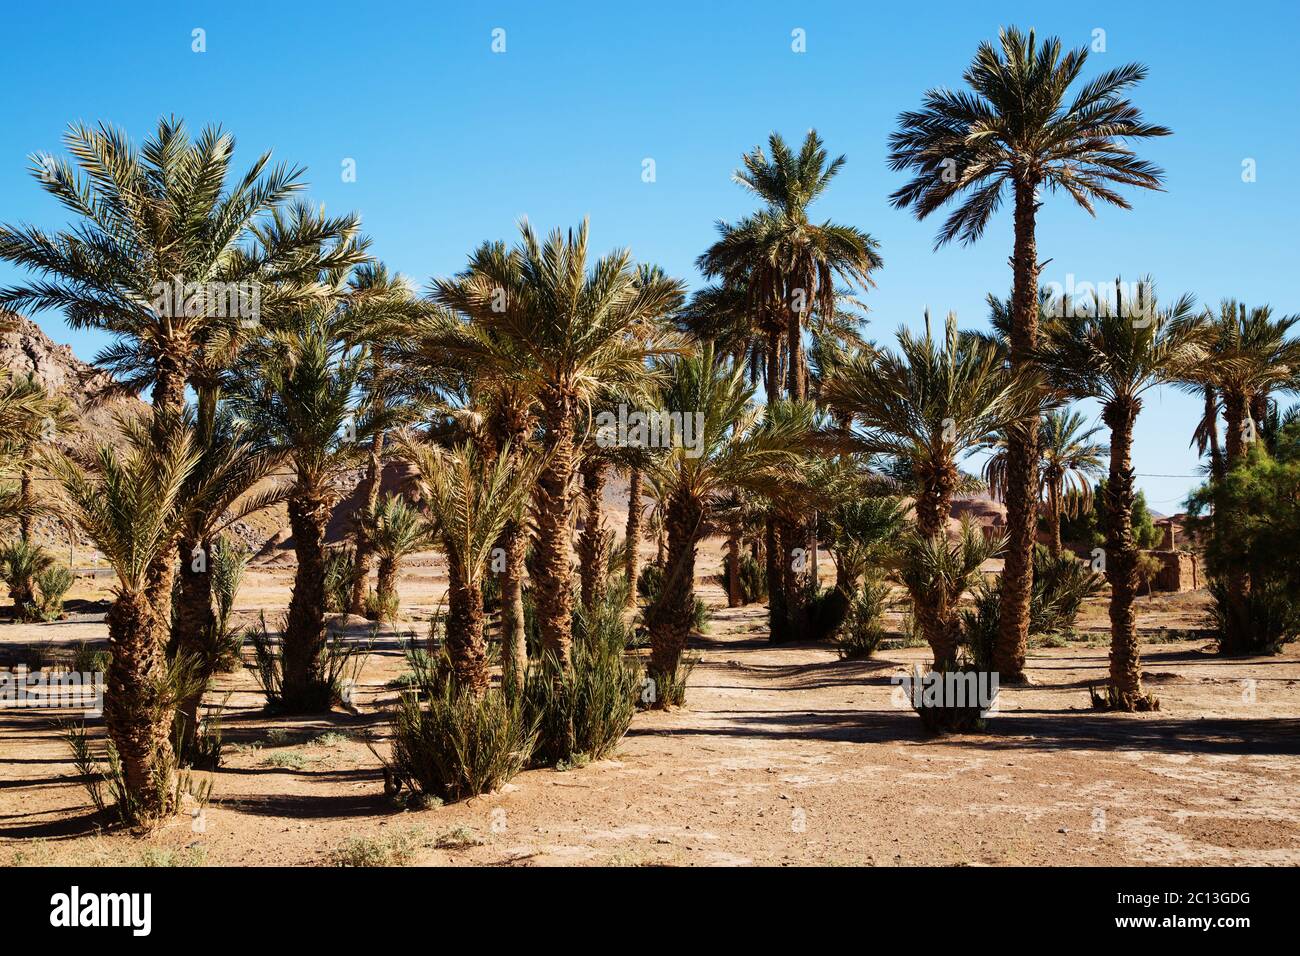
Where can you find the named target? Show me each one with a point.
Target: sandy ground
(782, 756)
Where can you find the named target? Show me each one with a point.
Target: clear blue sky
(453, 143)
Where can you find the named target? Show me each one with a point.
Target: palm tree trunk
(669, 619)
(1121, 560)
(514, 654)
(632, 536)
(554, 506)
(734, 597)
(193, 632)
(466, 648)
(936, 611)
(386, 584)
(1022, 452)
(1054, 520)
(361, 537)
(304, 630)
(595, 539)
(25, 493)
(1212, 432)
(1236, 638)
(135, 710)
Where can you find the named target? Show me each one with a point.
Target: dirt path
(784, 755)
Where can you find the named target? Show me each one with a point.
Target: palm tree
(1068, 461)
(562, 332)
(788, 267)
(739, 448)
(1251, 355)
(218, 493)
(298, 390)
(926, 405)
(1015, 130)
(1111, 354)
(36, 419)
(132, 507)
(469, 500)
(160, 215)
(395, 530)
(382, 306)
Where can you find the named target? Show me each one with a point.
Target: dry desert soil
(783, 755)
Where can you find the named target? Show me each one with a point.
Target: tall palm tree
(383, 306)
(132, 507)
(1014, 130)
(1068, 462)
(298, 390)
(740, 447)
(160, 214)
(395, 531)
(788, 266)
(1107, 354)
(563, 331)
(469, 500)
(926, 405)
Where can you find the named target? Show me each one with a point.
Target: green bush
(1250, 521)
(339, 665)
(584, 713)
(860, 635)
(650, 584)
(452, 745)
(753, 580)
(52, 584)
(340, 575)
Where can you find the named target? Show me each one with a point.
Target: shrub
(340, 574)
(52, 584)
(393, 850)
(862, 631)
(584, 713)
(339, 664)
(951, 712)
(21, 563)
(753, 580)
(453, 745)
(90, 660)
(650, 584)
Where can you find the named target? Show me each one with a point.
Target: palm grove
(489, 388)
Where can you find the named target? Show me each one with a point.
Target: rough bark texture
(554, 507)
(514, 652)
(1020, 496)
(1121, 560)
(595, 540)
(1054, 520)
(362, 544)
(734, 597)
(194, 624)
(632, 536)
(135, 714)
(669, 620)
(386, 582)
(466, 647)
(304, 631)
(935, 611)
(1212, 431)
